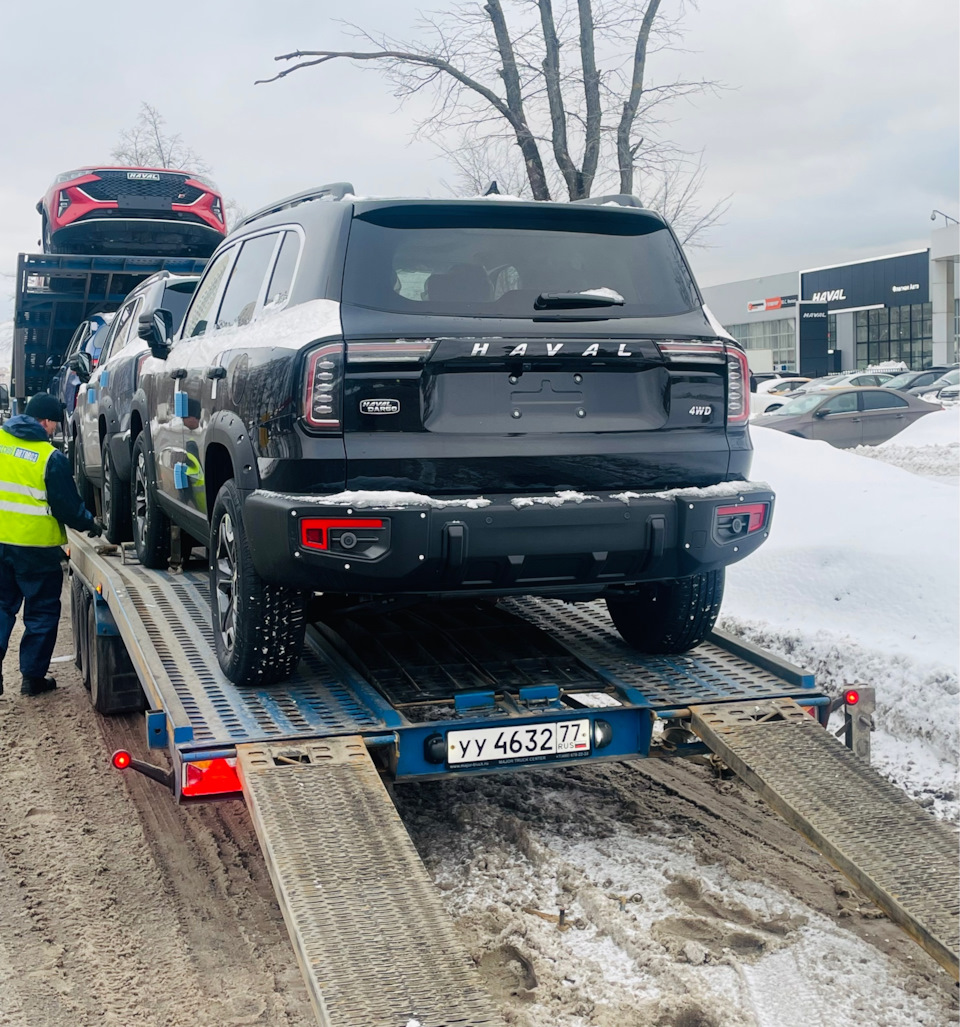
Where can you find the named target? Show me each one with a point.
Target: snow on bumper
(395, 543)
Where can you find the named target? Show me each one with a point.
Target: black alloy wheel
(114, 499)
(150, 527)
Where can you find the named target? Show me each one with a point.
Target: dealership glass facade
(896, 333)
(779, 336)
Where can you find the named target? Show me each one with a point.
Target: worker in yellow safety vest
(37, 497)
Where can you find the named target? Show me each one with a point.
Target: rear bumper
(529, 545)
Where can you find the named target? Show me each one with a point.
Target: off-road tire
(669, 616)
(84, 485)
(150, 527)
(114, 500)
(257, 626)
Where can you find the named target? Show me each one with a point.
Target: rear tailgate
(472, 415)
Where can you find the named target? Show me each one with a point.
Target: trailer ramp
(375, 947)
(898, 855)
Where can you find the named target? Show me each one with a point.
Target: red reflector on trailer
(121, 759)
(851, 697)
(210, 777)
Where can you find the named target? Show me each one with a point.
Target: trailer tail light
(206, 778)
(121, 759)
(733, 522)
(323, 387)
(851, 697)
(738, 386)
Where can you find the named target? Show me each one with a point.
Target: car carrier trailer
(463, 689)
(56, 291)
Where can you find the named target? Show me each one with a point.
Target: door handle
(216, 372)
(178, 372)
(855, 420)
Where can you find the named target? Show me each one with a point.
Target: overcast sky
(836, 136)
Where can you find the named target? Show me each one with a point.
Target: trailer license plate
(519, 742)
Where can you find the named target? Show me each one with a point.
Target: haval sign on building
(886, 282)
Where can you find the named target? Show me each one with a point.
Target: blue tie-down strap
(104, 378)
(180, 476)
(91, 395)
(180, 404)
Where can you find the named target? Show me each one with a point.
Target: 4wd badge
(379, 406)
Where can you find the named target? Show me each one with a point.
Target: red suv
(138, 211)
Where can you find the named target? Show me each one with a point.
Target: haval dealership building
(900, 307)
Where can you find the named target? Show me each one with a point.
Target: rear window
(494, 260)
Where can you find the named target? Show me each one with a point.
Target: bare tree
(149, 144)
(557, 83)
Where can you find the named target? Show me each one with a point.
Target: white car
(772, 394)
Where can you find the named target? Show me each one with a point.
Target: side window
(207, 289)
(114, 339)
(844, 404)
(882, 401)
(243, 290)
(278, 291)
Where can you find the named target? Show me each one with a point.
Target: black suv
(101, 442)
(387, 400)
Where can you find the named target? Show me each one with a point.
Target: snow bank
(858, 549)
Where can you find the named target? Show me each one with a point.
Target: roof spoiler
(331, 191)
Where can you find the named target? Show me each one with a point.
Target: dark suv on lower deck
(387, 400)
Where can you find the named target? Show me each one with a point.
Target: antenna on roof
(492, 189)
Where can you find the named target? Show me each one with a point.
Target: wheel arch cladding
(229, 454)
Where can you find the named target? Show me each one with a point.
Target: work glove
(96, 531)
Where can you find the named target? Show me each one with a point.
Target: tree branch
(558, 117)
(591, 92)
(624, 157)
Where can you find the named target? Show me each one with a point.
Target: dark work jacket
(62, 497)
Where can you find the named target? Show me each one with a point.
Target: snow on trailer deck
(308, 754)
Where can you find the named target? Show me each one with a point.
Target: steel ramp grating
(898, 855)
(375, 946)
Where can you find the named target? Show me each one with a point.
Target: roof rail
(331, 191)
(621, 199)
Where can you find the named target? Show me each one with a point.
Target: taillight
(323, 387)
(733, 522)
(210, 777)
(738, 386)
(340, 533)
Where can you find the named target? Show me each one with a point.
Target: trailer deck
(468, 688)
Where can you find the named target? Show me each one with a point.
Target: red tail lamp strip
(315, 531)
(210, 777)
(756, 514)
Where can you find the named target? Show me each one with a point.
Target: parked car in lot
(101, 425)
(845, 380)
(848, 417)
(136, 211)
(397, 400)
(915, 379)
(931, 392)
(949, 395)
(771, 395)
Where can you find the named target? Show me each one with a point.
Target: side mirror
(820, 413)
(157, 329)
(84, 366)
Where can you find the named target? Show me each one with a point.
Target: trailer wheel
(114, 685)
(150, 527)
(257, 627)
(669, 616)
(114, 499)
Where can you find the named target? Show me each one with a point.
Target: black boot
(37, 686)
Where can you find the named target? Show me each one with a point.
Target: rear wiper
(570, 300)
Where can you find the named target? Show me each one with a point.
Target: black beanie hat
(43, 407)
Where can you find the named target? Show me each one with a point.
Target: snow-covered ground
(686, 905)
